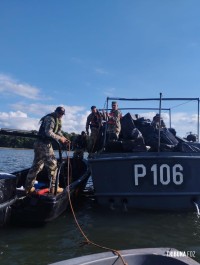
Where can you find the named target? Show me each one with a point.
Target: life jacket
(56, 128)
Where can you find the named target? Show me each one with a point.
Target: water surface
(61, 239)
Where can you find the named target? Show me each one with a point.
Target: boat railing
(30, 134)
(159, 109)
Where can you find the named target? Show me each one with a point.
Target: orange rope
(89, 242)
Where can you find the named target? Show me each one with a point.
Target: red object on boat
(40, 192)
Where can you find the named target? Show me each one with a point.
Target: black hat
(60, 110)
(93, 107)
(114, 102)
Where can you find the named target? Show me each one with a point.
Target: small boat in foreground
(150, 256)
(8, 195)
(147, 168)
(40, 207)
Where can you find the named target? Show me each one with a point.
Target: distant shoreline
(16, 148)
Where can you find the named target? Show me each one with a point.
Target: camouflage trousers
(113, 130)
(43, 156)
(93, 139)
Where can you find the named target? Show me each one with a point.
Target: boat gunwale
(8, 203)
(103, 256)
(147, 194)
(134, 156)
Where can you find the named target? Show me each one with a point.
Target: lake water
(61, 238)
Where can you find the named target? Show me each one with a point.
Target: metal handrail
(160, 108)
(30, 134)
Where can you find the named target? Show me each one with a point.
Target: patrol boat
(40, 207)
(147, 168)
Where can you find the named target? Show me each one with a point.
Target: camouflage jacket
(51, 126)
(94, 120)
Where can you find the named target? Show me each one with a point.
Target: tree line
(27, 142)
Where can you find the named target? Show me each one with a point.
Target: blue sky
(75, 53)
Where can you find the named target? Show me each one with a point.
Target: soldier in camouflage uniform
(44, 155)
(114, 122)
(94, 122)
(158, 121)
(80, 145)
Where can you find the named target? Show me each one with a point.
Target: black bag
(134, 145)
(189, 147)
(167, 140)
(127, 126)
(114, 146)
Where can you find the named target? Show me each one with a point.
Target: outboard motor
(7, 195)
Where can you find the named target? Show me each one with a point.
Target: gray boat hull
(154, 181)
(150, 256)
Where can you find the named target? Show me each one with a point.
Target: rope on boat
(88, 241)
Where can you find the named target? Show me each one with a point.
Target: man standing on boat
(158, 122)
(44, 155)
(80, 145)
(114, 122)
(94, 122)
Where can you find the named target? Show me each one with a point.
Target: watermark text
(178, 254)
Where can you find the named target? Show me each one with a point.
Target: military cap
(60, 110)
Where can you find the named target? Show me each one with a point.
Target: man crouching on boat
(44, 155)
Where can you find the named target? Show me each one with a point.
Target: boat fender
(43, 191)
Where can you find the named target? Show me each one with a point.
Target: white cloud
(11, 114)
(26, 117)
(42, 109)
(184, 123)
(8, 85)
(180, 121)
(17, 120)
